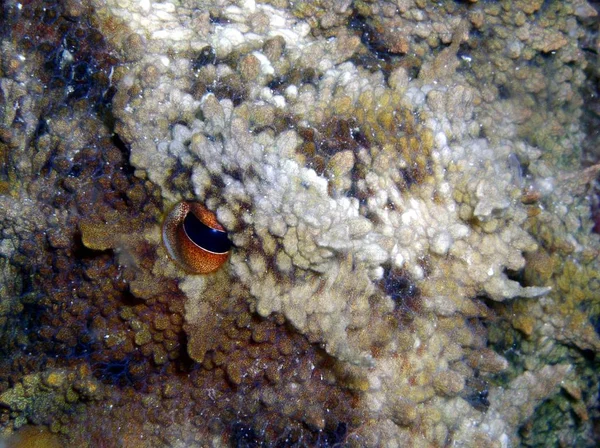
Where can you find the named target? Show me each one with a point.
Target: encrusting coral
(412, 260)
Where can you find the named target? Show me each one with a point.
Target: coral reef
(408, 196)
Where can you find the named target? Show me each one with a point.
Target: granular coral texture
(89, 330)
(412, 261)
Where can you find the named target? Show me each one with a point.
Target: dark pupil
(208, 239)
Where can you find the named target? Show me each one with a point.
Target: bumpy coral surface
(409, 191)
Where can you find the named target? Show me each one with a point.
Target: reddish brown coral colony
(195, 239)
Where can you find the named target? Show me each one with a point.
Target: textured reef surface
(410, 189)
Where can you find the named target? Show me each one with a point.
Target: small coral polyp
(194, 238)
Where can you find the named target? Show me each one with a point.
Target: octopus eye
(194, 238)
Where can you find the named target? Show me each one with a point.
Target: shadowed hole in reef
(115, 371)
(129, 299)
(380, 52)
(206, 56)
(127, 168)
(122, 370)
(595, 321)
(588, 354)
(82, 252)
(84, 346)
(184, 362)
(244, 436)
(517, 276)
(476, 393)
(333, 437)
(403, 291)
(369, 36)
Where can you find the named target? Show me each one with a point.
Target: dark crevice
(595, 321)
(206, 56)
(369, 36)
(125, 149)
(517, 276)
(129, 299)
(588, 354)
(217, 20)
(503, 92)
(244, 436)
(119, 371)
(82, 252)
(41, 129)
(476, 393)
(184, 362)
(400, 287)
(333, 437)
